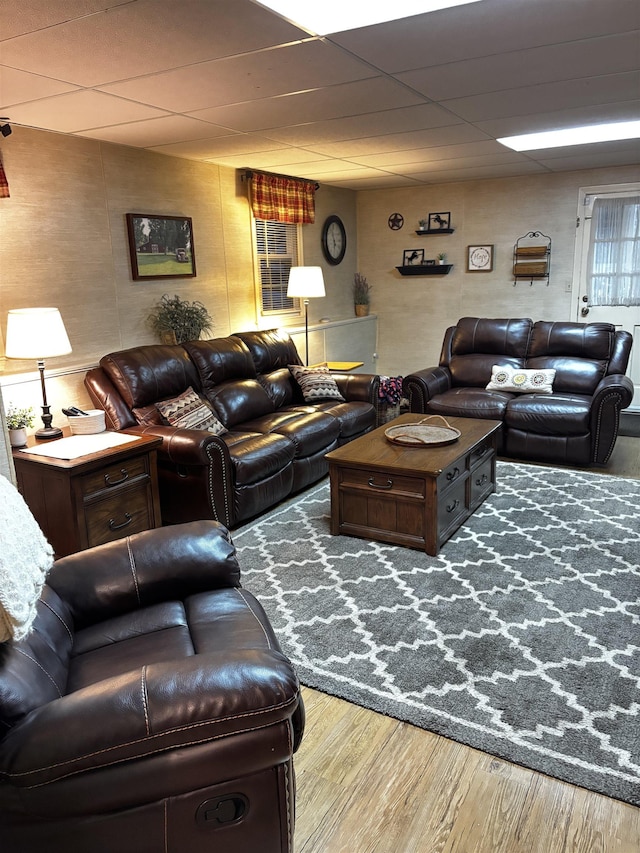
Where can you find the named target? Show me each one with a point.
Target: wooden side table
(92, 499)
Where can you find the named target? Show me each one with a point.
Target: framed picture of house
(160, 246)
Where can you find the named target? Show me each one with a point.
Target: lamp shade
(306, 282)
(36, 333)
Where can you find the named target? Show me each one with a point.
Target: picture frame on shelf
(412, 257)
(480, 257)
(439, 221)
(160, 246)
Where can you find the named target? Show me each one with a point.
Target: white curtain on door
(614, 252)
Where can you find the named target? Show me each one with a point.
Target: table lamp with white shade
(306, 283)
(38, 333)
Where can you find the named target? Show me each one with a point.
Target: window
(614, 252)
(276, 252)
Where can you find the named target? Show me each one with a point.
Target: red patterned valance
(282, 199)
(4, 183)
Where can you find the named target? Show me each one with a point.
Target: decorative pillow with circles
(316, 383)
(189, 411)
(517, 380)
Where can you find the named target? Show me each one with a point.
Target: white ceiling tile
(210, 149)
(258, 75)
(144, 37)
(157, 131)
(594, 114)
(506, 170)
(80, 110)
(400, 141)
(27, 16)
(16, 87)
(394, 159)
(336, 101)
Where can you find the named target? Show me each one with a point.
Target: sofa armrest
(421, 386)
(358, 387)
(148, 710)
(614, 393)
(145, 568)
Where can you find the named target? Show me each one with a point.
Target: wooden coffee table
(412, 496)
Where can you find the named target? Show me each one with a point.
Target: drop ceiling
(412, 102)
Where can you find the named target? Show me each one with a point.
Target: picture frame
(439, 221)
(480, 257)
(412, 257)
(160, 246)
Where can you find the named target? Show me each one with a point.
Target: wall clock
(480, 258)
(334, 239)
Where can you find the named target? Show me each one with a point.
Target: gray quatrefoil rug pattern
(521, 638)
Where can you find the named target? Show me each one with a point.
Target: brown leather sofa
(275, 444)
(576, 424)
(150, 708)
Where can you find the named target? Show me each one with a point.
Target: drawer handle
(482, 451)
(451, 475)
(374, 485)
(110, 482)
(454, 505)
(127, 521)
(481, 480)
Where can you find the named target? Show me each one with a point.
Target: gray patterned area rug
(521, 638)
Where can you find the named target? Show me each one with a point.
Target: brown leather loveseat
(150, 708)
(581, 368)
(275, 442)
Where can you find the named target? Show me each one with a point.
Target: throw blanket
(25, 560)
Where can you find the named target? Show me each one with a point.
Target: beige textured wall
(413, 312)
(64, 243)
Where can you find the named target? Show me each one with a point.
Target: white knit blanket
(25, 560)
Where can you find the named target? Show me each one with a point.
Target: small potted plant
(442, 257)
(361, 295)
(176, 320)
(424, 224)
(18, 420)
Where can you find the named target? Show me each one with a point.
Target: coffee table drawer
(452, 508)
(482, 481)
(387, 483)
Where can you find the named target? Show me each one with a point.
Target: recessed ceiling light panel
(334, 16)
(573, 136)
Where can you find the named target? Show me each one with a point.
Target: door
(585, 311)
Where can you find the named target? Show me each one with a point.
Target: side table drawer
(114, 475)
(118, 515)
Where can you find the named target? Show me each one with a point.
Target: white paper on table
(80, 445)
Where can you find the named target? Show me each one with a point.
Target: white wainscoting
(351, 339)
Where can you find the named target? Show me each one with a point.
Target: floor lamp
(306, 283)
(38, 333)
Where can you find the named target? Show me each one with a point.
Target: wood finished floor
(370, 784)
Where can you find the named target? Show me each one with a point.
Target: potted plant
(18, 420)
(361, 295)
(442, 257)
(424, 224)
(176, 320)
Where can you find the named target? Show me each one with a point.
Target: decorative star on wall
(396, 221)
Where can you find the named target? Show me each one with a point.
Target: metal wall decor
(395, 221)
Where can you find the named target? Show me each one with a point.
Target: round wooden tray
(422, 434)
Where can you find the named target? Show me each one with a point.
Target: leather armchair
(150, 709)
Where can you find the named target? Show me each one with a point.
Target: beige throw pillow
(316, 383)
(520, 381)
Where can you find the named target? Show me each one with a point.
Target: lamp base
(46, 433)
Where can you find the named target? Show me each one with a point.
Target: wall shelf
(532, 258)
(425, 269)
(423, 232)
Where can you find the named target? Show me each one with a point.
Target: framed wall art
(439, 221)
(412, 257)
(480, 258)
(160, 246)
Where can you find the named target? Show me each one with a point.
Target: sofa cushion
(309, 432)
(270, 349)
(579, 353)
(556, 414)
(470, 403)
(241, 400)
(144, 375)
(220, 360)
(520, 380)
(189, 411)
(316, 383)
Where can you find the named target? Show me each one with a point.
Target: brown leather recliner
(150, 709)
(576, 424)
